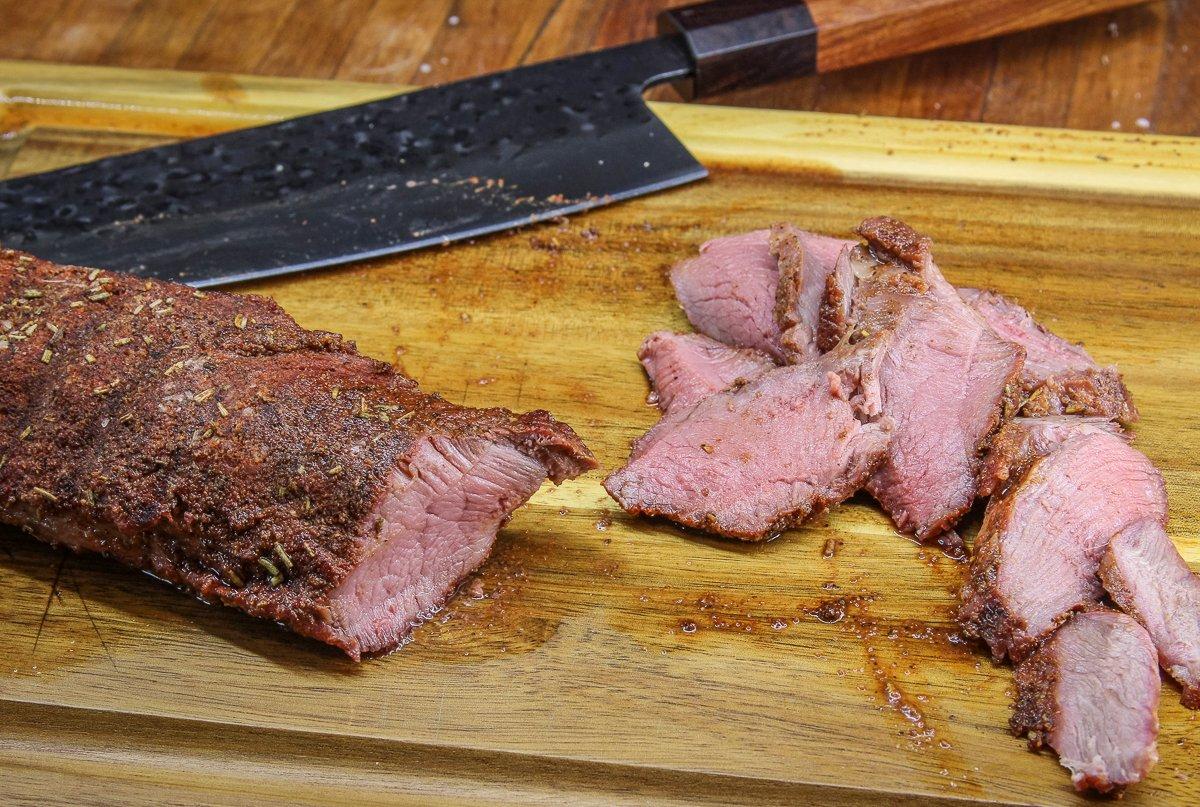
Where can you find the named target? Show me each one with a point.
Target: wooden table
(1130, 70)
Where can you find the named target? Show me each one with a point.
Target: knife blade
(454, 161)
(401, 173)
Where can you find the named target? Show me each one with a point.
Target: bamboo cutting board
(598, 658)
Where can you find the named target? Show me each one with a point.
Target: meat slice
(945, 378)
(759, 290)
(1059, 377)
(685, 368)
(211, 441)
(761, 457)
(1144, 574)
(806, 261)
(728, 291)
(1022, 440)
(1091, 693)
(1038, 550)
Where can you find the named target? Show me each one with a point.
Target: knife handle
(741, 43)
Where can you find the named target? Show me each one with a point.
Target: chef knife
(463, 159)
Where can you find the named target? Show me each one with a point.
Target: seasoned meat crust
(806, 262)
(198, 435)
(1058, 377)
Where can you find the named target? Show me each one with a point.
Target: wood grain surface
(858, 32)
(1133, 69)
(599, 658)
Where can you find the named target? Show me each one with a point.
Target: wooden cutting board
(599, 658)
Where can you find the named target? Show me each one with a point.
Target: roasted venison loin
(211, 441)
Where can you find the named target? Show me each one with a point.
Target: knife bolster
(742, 44)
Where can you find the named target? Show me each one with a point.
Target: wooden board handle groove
(741, 43)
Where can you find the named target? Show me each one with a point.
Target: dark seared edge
(982, 612)
(788, 252)
(892, 238)
(196, 435)
(1036, 706)
(1087, 393)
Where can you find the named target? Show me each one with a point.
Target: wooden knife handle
(740, 43)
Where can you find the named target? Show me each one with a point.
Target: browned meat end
(1144, 574)
(1091, 693)
(1059, 377)
(209, 440)
(1098, 392)
(806, 262)
(1038, 551)
(686, 368)
(833, 315)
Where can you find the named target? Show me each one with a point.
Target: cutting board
(598, 658)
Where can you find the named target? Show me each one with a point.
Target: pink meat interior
(1146, 576)
(437, 523)
(1063, 515)
(728, 291)
(1107, 697)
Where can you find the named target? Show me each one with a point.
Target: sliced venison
(945, 378)
(1038, 551)
(1091, 693)
(761, 457)
(1144, 574)
(685, 368)
(211, 441)
(1059, 377)
(1022, 440)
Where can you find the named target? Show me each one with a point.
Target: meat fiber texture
(1059, 377)
(758, 290)
(1038, 551)
(945, 379)
(759, 458)
(1144, 574)
(1091, 693)
(686, 368)
(211, 441)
